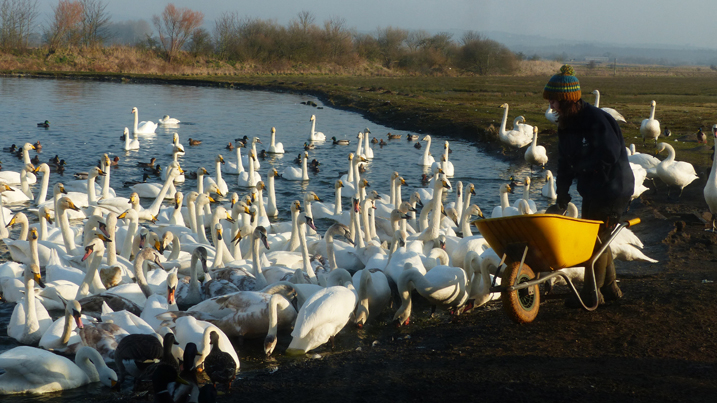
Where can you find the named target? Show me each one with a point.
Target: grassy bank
(469, 107)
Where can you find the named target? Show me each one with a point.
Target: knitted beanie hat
(563, 86)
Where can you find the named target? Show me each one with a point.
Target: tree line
(180, 37)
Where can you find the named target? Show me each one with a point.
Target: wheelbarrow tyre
(520, 305)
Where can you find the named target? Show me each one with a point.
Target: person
(591, 150)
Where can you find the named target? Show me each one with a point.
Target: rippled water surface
(87, 119)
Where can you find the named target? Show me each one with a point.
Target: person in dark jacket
(592, 151)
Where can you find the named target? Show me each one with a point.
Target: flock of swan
(163, 265)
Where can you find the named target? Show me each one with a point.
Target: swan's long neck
(359, 237)
(313, 129)
(139, 270)
(372, 228)
(112, 246)
(305, 256)
(200, 182)
(365, 218)
(136, 121)
(535, 139)
(427, 150)
(260, 202)
(350, 177)
(359, 147)
(398, 199)
(67, 235)
(272, 197)
(337, 202)
(366, 146)
(504, 203)
(31, 323)
(273, 316)
(465, 224)
(330, 250)
(106, 182)
(251, 181)
(273, 139)
(25, 156)
(670, 154)
(89, 280)
(192, 209)
(437, 203)
(43, 187)
(294, 241)
(240, 164)
(157, 204)
(200, 224)
(304, 169)
(218, 169)
(91, 197)
(131, 231)
(393, 191)
(597, 98)
(357, 179)
(362, 309)
(504, 121)
(176, 248)
(652, 112)
(67, 329)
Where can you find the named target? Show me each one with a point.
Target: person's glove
(562, 201)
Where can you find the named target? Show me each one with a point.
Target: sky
(617, 22)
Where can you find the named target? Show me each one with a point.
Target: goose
(612, 112)
(275, 148)
(167, 121)
(426, 159)
(535, 154)
(36, 371)
(549, 189)
(505, 209)
(514, 138)
(650, 127)
(29, 320)
(144, 127)
(314, 135)
(710, 191)
(322, 317)
(342, 142)
(295, 174)
(443, 286)
(674, 173)
(130, 144)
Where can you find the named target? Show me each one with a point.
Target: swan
(446, 165)
(190, 330)
(14, 178)
(218, 181)
(296, 174)
(442, 286)
(426, 159)
(314, 135)
(505, 209)
(176, 147)
(36, 371)
(322, 317)
(710, 190)
(674, 173)
(374, 294)
(158, 191)
(130, 145)
(23, 194)
(612, 112)
(549, 189)
(535, 154)
(526, 196)
(144, 127)
(367, 151)
(650, 127)
(640, 175)
(62, 335)
(4, 211)
(189, 293)
(271, 210)
(331, 211)
(514, 138)
(275, 148)
(251, 177)
(29, 320)
(167, 121)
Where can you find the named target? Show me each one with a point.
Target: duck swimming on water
(44, 124)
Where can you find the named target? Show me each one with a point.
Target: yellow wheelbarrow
(541, 243)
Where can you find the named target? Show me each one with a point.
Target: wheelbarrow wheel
(520, 305)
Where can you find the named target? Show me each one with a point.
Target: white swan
(443, 286)
(218, 181)
(535, 154)
(271, 210)
(29, 320)
(176, 146)
(296, 174)
(167, 121)
(612, 112)
(23, 194)
(504, 209)
(275, 148)
(367, 151)
(650, 127)
(251, 177)
(374, 294)
(4, 211)
(144, 127)
(130, 144)
(35, 371)
(674, 173)
(514, 138)
(427, 159)
(314, 135)
(549, 189)
(322, 316)
(526, 196)
(710, 190)
(14, 178)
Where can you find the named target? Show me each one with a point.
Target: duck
(342, 142)
(516, 138)
(650, 127)
(274, 147)
(44, 124)
(136, 352)
(144, 127)
(314, 135)
(167, 121)
(374, 140)
(411, 137)
(393, 136)
(130, 144)
(149, 164)
(610, 111)
(710, 190)
(219, 365)
(701, 137)
(674, 173)
(194, 142)
(417, 146)
(35, 371)
(308, 146)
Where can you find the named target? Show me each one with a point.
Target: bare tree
(306, 20)
(65, 29)
(95, 21)
(337, 37)
(390, 41)
(16, 20)
(175, 27)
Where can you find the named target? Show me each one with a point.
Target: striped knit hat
(563, 86)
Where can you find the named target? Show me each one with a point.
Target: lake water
(87, 119)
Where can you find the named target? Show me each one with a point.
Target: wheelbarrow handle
(632, 222)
